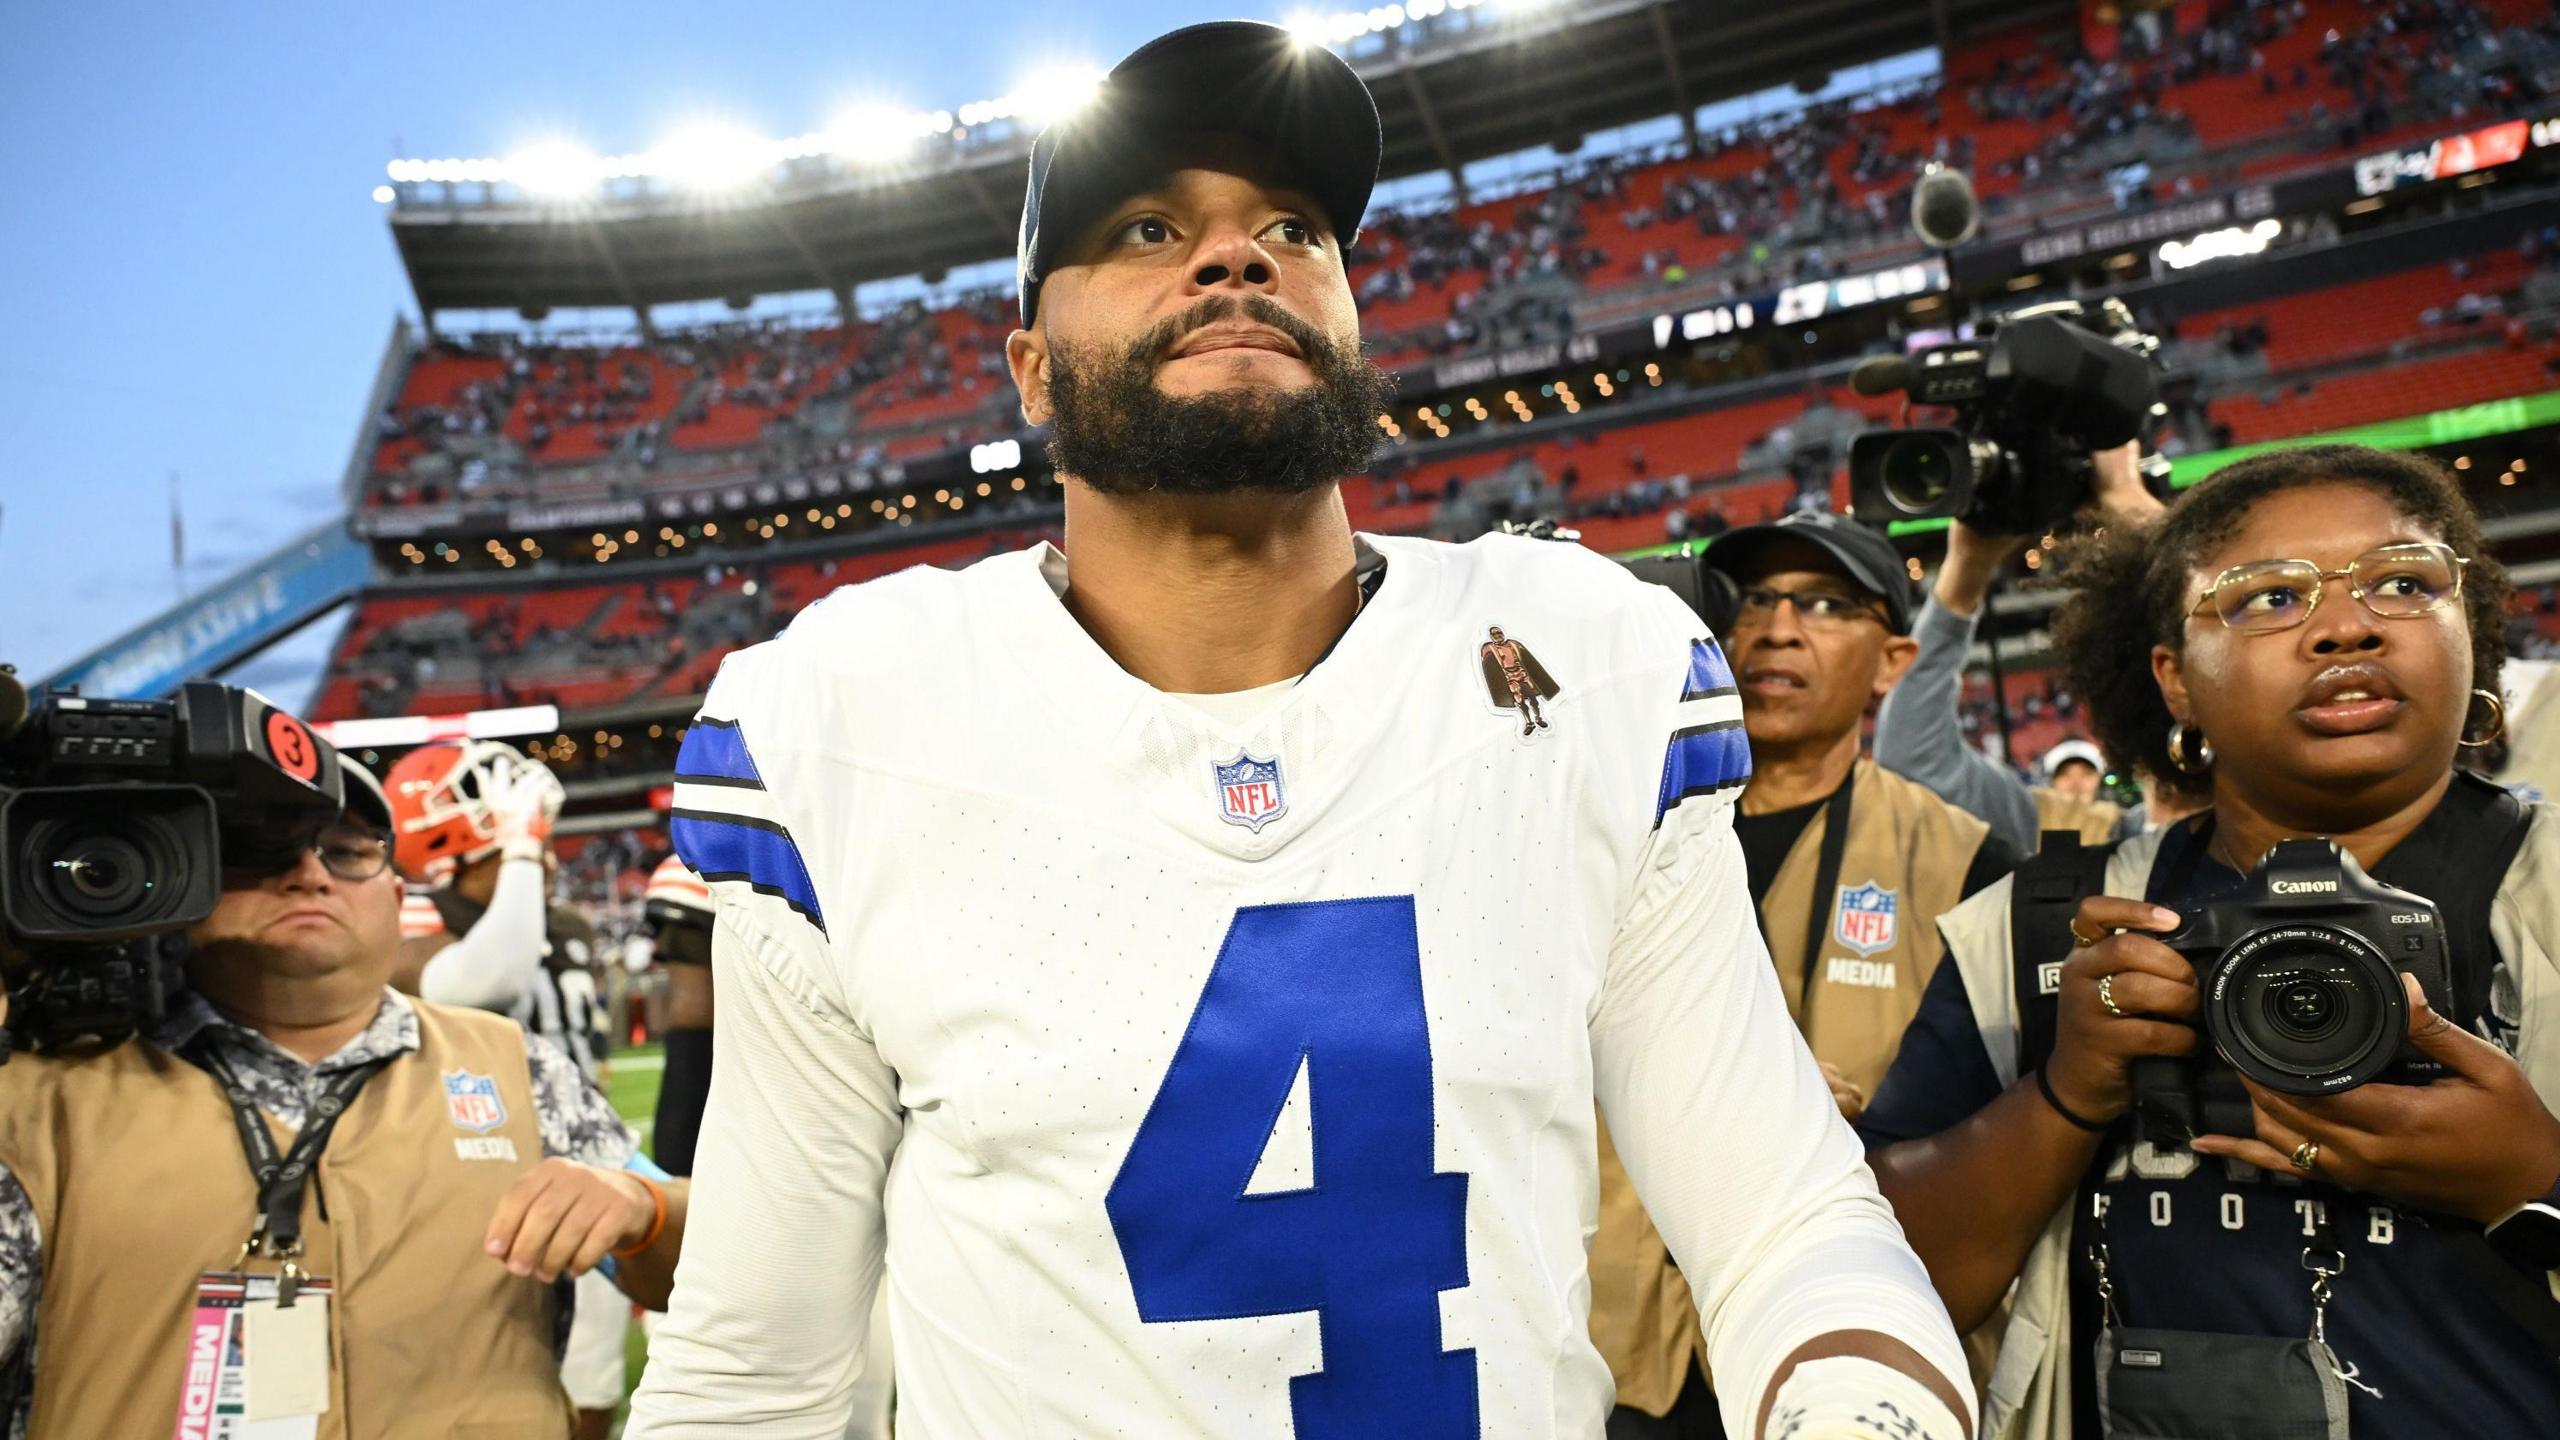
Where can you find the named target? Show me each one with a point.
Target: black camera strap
(282, 1176)
(2045, 891)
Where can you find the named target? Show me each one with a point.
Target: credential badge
(1866, 921)
(472, 1100)
(1250, 793)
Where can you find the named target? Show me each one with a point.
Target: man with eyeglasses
(1849, 867)
(417, 1183)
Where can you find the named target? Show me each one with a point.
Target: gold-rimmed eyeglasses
(2396, 582)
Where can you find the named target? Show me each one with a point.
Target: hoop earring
(2497, 721)
(2189, 750)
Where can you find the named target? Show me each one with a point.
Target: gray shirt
(576, 1120)
(1920, 736)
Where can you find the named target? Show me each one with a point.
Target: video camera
(115, 816)
(2047, 386)
(2301, 983)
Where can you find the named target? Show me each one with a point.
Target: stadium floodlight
(384, 194)
(555, 170)
(712, 158)
(878, 134)
(1310, 28)
(1053, 94)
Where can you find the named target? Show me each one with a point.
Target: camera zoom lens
(99, 874)
(1915, 475)
(2307, 1009)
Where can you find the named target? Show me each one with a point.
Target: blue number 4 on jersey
(1369, 1246)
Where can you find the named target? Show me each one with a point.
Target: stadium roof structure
(1543, 77)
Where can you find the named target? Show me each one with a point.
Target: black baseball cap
(1239, 77)
(1865, 554)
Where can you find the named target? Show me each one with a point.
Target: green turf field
(631, 1082)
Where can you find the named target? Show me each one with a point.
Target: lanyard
(281, 1178)
(1826, 882)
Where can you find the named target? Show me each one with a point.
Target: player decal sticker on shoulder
(1515, 682)
(1250, 792)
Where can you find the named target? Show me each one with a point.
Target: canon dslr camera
(2301, 988)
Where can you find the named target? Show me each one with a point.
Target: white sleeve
(784, 1236)
(1730, 1135)
(495, 962)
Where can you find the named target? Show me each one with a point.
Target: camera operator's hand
(1973, 562)
(2476, 1143)
(2154, 989)
(2117, 489)
(562, 1217)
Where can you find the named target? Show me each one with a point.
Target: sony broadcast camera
(2301, 984)
(115, 816)
(2046, 386)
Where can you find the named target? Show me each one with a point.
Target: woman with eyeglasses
(2307, 644)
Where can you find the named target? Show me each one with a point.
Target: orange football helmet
(457, 801)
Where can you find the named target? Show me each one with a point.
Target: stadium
(1625, 259)
(554, 539)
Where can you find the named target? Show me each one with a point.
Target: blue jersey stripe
(759, 852)
(715, 753)
(1701, 760)
(1709, 676)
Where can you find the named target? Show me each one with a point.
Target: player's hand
(2155, 988)
(1844, 1091)
(523, 802)
(2476, 1143)
(563, 1218)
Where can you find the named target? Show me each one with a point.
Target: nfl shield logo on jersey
(473, 1100)
(1866, 918)
(1250, 793)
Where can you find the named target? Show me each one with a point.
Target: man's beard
(1113, 429)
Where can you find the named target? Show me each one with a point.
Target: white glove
(524, 800)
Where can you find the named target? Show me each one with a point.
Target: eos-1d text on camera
(2300, 978)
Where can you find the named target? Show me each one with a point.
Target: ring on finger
(2306, 1156)
(2107, 997)
(2082, 938)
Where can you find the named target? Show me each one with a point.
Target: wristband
(2044, 1087)
(657, 1221)
(1849, 1397)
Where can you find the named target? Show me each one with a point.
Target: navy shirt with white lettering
(2205, 1245)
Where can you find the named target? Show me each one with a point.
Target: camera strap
(2045, 891)
(282, 1176)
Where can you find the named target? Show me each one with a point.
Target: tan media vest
(1903, 840)
(428, 1335)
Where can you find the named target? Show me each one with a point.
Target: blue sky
(197, 282)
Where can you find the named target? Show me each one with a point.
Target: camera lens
(2306, 1009)
(1915, 475)
(99, 874)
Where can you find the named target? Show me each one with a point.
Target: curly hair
(2126, 587)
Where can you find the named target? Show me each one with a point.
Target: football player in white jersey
(1169, 969)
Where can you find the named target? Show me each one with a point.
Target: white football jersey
(1192, 1078)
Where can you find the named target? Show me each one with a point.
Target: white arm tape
(493, 965)
(1848, 1397)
